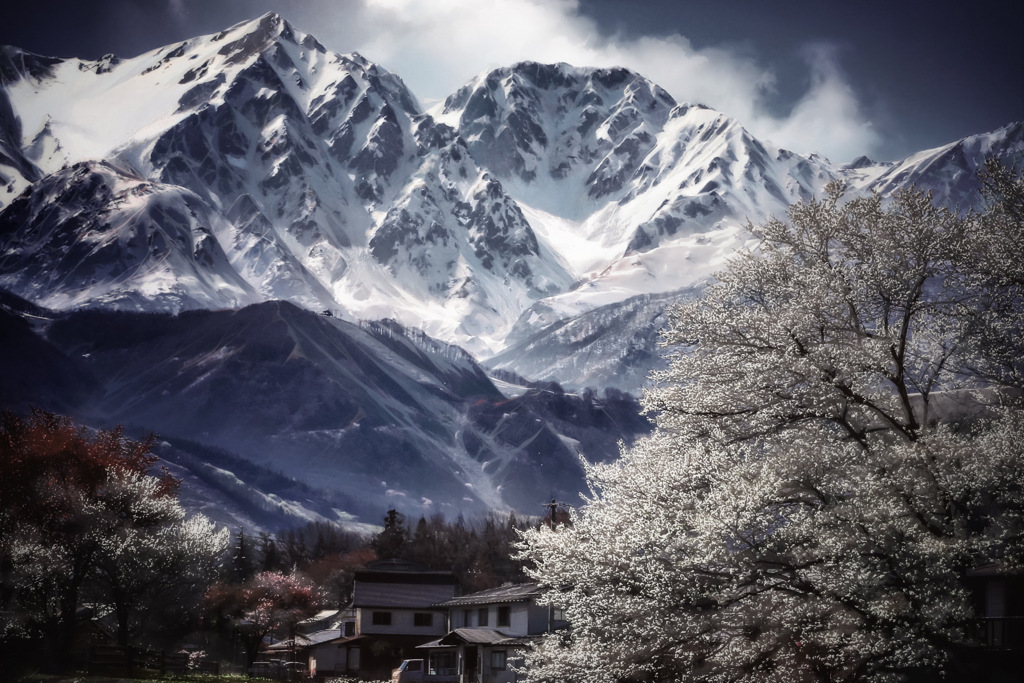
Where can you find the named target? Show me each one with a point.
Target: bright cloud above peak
(437, 46)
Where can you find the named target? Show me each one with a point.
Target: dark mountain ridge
(361, 415)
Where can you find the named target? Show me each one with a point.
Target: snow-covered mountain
(324, 182)
(91, 235)
(533, 194)
(542, 218)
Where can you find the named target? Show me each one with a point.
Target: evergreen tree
(243, 563)
(391, 541)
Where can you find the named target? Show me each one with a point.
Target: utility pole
(553, 510)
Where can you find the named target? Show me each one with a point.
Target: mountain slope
(92, 235)
(373, 414)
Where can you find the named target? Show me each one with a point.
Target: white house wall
(402, 622)
(524, 618)
(331, 657)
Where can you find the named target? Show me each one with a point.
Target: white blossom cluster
(839, 444)
(124, 542)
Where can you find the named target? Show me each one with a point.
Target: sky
(882, 78)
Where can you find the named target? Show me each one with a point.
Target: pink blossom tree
(270, 602)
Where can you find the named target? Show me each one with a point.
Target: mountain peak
(250, 37)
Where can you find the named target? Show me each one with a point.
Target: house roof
(322, 615)
(308, 640)
(434, 645)
(482, 636)
(510, 592)
(398, 595)
(318, 637)
(312, 640)
(397, 589)
(476, 636)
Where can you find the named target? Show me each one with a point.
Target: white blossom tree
(832, 456)
(80, 515)
(148, 553)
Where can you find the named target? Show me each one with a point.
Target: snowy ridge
(534, 194)
(92, 235)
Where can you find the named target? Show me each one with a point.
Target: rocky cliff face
(535, 193)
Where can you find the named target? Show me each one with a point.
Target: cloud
(828, 118)
(436, 46)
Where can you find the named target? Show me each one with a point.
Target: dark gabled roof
(399, 570)
(510, 592)
(483, 636)
(399, 587)
(399, 595)
(477, 636)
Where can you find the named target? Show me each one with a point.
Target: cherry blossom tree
(264, 605)
(79, 512)
(149, 553)
(838, 443)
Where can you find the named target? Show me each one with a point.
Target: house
(488, 631)
(998, 646)
(396, 607)
(323, 644)
(399, 601)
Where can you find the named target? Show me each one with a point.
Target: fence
(1001, 633)
(113, 660)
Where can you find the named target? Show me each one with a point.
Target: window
(482, 614)
(504, 615)
(497, 660)
(348, 629)
(465, 617)
(382, 618)
(441, 664)
(422, 619)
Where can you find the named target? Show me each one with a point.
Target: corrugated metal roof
(513, 592)
(308, 640)
(434, 645)
(318, 637)
(478, 636)
(519, 640)
(482, 636)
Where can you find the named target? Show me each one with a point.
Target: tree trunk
(122, 609)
